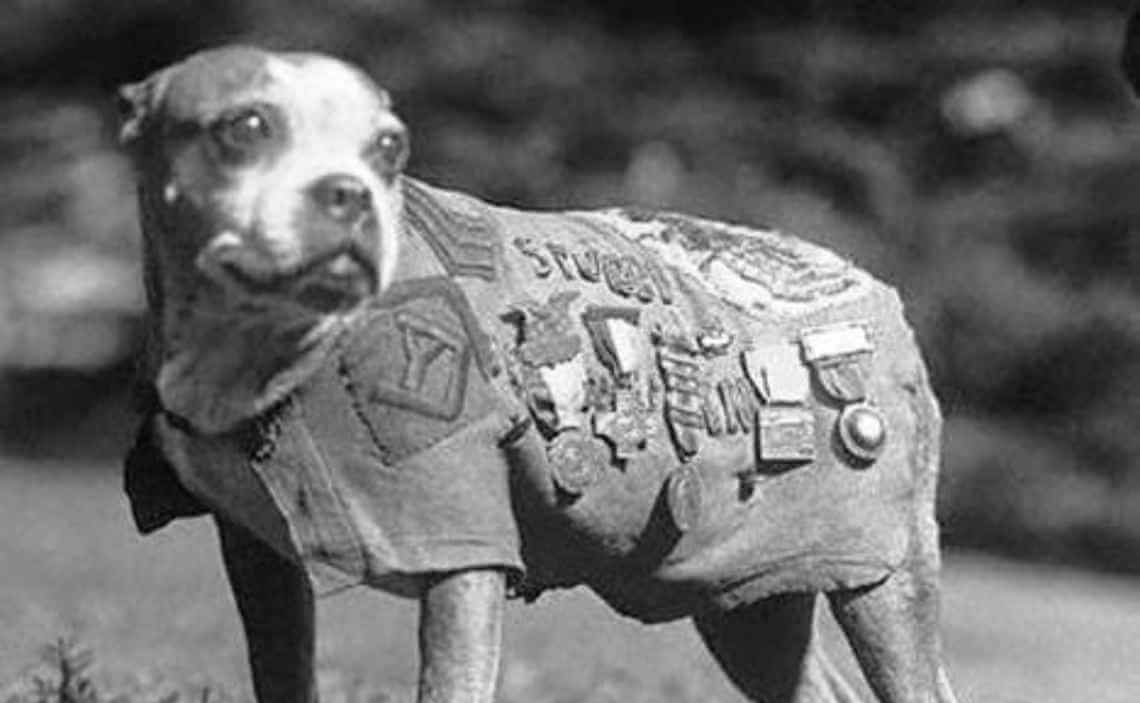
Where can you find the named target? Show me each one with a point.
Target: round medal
(576, 461)
(863, 431)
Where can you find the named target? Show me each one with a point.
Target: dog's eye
(389, 152)
(241, 133)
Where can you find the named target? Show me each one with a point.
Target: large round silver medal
(863, 431)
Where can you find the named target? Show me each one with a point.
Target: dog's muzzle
(335, 280)
(338, 232)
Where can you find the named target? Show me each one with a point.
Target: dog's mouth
(334, 281)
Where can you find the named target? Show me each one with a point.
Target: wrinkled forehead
(317, 93)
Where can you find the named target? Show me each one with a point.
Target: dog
(365, 379)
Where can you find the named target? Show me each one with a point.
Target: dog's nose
(342, 197)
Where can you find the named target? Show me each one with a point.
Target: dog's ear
(137, 102)
(1130, 54)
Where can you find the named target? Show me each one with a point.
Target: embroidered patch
(588, 265)
(753, 268)
(459, 232)
(562, 259)
(409, 366)
(641, 276)
(627, 277)
(530, 250)
(546, 332)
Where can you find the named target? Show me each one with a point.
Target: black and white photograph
(611, 351)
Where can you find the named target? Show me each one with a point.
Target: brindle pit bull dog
(367, 380)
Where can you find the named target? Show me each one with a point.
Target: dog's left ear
(1130, 54)
(137, 102)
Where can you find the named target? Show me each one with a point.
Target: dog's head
(270, 196)
(270, 176)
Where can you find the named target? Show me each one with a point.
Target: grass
(159, 621)
(65, 675)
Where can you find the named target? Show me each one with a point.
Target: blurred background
(983, 155)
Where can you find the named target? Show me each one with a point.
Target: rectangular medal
(785, 434)
(777, 373)
(835, 340)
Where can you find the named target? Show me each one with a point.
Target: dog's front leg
(461, 625)
(277, 611)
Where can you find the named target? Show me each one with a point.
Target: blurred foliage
(65, 674)
(982, 156)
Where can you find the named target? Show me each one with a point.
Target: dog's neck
(219, 370)
(217, 364)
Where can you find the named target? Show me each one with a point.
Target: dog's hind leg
(893, 625)
(770, 652)
(893, 629)
(277, 611)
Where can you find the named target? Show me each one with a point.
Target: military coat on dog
(678, 413)
(369, 380)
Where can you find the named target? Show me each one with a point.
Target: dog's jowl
(368, 380)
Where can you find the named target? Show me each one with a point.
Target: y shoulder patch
(409, 368)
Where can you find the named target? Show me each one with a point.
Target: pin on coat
(368, 380)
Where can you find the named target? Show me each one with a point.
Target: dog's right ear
(1130, 54)
(137, 102)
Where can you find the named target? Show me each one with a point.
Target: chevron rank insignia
(456, 229)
